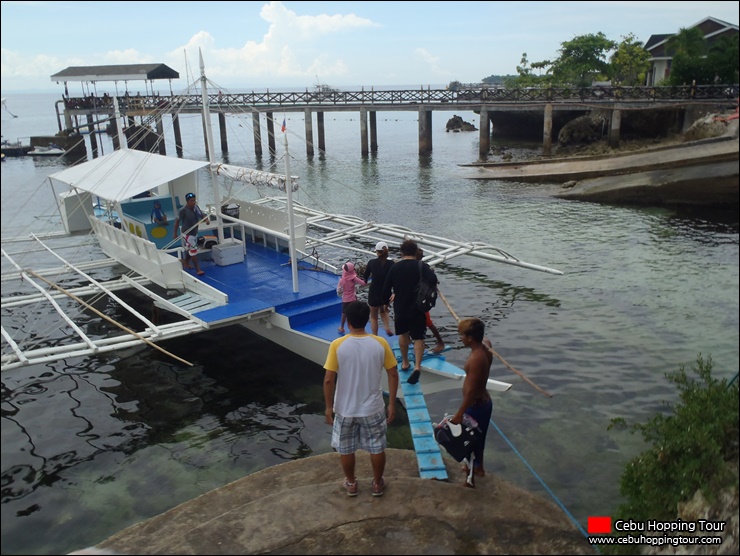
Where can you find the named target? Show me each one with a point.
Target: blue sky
(257, 45)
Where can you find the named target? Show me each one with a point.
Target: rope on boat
(106, 317)
(493, 351)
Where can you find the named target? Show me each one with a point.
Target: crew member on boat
(190, 215)
(158, 214)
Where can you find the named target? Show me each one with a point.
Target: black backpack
(460, 441)
(426, 294)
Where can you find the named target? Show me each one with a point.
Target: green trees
(583, 60)
(693, 447)
(525, 75)
(723, 59)
(694, 62)
(689, 63)
(629, 63)
(594, 57)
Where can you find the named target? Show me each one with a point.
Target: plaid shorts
(352, 433)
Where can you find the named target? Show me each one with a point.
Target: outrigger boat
(266, 272)
(52, 149)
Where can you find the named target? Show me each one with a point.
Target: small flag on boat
(283, 128)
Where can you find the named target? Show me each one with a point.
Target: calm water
(90, 446)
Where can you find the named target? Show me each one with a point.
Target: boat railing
(141, 255)
(267, 226)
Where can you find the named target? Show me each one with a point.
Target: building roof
(655, 39)
(712, 28)
(123, 72)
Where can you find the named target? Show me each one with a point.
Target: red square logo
(599, 525)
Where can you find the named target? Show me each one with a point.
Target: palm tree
(687, 42)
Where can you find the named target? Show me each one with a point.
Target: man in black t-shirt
(401, 282)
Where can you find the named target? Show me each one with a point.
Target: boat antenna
(209, 145)
(119, 127)
(291, 223)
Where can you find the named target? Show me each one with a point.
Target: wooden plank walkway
(428, 456)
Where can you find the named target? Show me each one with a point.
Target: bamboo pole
(106, 317)
(493, 351)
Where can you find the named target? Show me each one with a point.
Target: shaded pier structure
(490, 104)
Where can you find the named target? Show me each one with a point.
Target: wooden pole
(493, 351)
(106, 317)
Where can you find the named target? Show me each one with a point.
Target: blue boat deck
(263, 281)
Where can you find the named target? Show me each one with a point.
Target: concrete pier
(309, 133)
(425, 131)
(484, 133)
(547, 132)
(484, 101)
(257, 133)
(300, 507)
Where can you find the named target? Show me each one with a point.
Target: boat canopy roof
(125, 173)
(121, 72)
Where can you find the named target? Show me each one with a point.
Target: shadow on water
(238, 409)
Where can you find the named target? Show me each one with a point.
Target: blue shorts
(481, 412)
(352, 433)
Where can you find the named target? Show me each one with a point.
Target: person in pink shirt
(347, 288)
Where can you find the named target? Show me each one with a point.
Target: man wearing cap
(377, 269)
(190, 215)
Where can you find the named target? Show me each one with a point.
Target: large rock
(711, 125)
(456, 123)
(300, 507)
(583, 130)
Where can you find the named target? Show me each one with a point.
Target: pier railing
(411, 97)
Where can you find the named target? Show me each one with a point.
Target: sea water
(93, 445)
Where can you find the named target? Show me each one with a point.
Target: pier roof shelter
(116, 73)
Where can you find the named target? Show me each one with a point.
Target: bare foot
(200, 273)
(439, 348)
(477, 471)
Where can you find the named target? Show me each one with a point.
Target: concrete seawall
(700, 173)
(300, 507)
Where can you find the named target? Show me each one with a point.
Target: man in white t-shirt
(354, 396)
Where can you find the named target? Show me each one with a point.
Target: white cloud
(288, 49)
(432, 62)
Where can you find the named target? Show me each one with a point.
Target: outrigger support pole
(291, 219)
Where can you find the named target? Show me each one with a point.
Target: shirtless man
(476, 400)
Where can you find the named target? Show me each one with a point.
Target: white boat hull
(438, 375)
